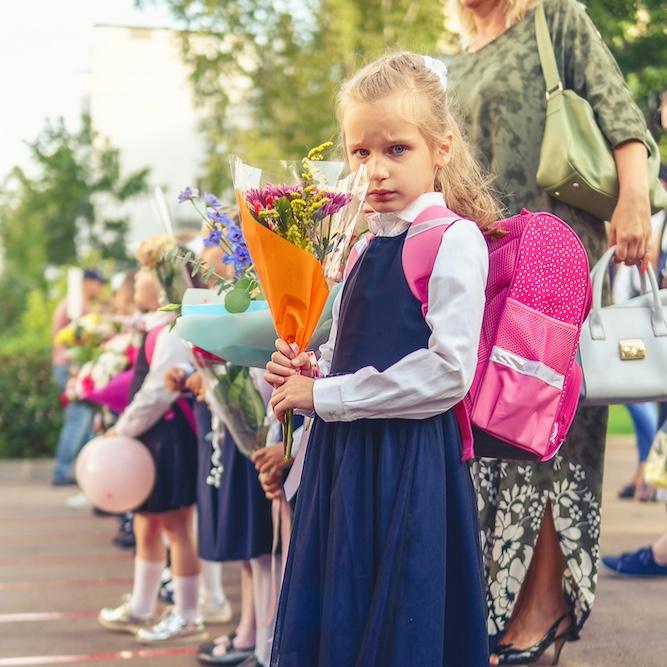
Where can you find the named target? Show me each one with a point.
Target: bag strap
(545, 49)
(151, 340)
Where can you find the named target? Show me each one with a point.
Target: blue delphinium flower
(188, 194)
(213, 239)
(240, 258)
(234, 234)
(217, 218)
(212, 201)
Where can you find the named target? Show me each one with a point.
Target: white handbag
(623, 348)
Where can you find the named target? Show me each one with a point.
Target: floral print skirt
(512, 498)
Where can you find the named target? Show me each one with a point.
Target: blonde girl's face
(401, 164)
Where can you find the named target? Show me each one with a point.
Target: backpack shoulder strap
(358, 249)
(421, 248)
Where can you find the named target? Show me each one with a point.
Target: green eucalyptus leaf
(245, 284)
(237, 301)
(196, 267)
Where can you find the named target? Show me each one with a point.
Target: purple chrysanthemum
(337, 201)
(264, 198)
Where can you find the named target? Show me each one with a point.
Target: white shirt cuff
(328, 398)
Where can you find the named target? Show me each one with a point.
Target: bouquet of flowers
(299, 221)
(84, 336)
(237, 399)
(115, 356)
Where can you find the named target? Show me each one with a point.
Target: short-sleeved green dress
(500, 91)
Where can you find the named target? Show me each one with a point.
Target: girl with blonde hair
(384, 562)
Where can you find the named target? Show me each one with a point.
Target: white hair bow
(438, 68)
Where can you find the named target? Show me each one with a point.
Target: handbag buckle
(555, 89)
(632, 349)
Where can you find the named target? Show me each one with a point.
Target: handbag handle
(545, 49)
(658, 321)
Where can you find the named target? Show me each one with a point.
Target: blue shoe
(639, 563)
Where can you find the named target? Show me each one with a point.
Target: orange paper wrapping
(291, 279)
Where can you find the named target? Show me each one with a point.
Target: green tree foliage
(55, 212)
(290, 57)
(59, 201)
(636, 33)
(286, 60)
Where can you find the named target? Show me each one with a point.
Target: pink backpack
(526, 387)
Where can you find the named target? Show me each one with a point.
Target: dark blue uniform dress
(234, 520)
(384, 565)
(173, 446)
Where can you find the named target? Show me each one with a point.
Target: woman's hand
(630, 228)
(285, 363)
(295, 393)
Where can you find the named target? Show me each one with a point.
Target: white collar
(156, 319)
(393, 224)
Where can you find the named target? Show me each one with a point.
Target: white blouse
(153, 401)
(428, 381)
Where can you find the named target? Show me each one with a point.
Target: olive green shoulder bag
(576, 162)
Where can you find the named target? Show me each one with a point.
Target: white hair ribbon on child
(438, 68)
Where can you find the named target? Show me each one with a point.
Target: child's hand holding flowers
(296, 393)
(291, 373)
(287, 361)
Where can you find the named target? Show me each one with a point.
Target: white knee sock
(185, 596)
(146, 585)
(210, 583)
(261, 589)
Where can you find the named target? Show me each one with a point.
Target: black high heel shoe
(508, 655)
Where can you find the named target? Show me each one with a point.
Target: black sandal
(231, 657)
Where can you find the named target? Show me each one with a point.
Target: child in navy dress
(165, 426)
(384, 566)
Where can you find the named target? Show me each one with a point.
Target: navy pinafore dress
(235, 519)
(173, 445)
(384, 565)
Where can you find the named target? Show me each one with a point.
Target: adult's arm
(589, 68)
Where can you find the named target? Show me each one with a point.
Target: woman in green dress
(541, 521)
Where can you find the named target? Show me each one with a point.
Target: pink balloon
(116, 473)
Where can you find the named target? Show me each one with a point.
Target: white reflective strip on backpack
(525, 366)
(425, 226)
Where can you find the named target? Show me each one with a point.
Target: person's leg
(263, 598)
(244, 635)
(148, 563)
(645, 420)
(210, 590)
(76, 431)
(137, 612)
(660, 550)
(184, 562)
(541, 600)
